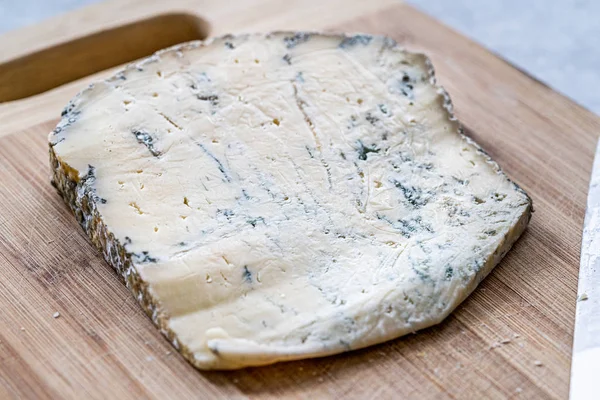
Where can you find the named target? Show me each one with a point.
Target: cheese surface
(284, 196)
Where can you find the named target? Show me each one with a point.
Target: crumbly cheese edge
(71, 188)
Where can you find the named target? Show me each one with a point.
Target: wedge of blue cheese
(284, 196)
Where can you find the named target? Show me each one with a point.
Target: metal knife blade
(585, 367)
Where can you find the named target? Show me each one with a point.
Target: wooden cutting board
(510, 339)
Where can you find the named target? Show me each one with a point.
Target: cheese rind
(284, 196)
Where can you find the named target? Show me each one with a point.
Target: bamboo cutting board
(510, 339)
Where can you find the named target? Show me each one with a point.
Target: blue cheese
(284, 196)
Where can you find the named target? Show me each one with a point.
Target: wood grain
(103, 346)
(215, 17)
(46, 69)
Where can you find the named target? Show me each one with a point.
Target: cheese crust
(284, 196)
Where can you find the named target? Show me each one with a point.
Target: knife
(585, 368)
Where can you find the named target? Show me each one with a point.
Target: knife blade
(585, 367)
